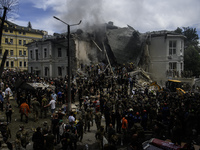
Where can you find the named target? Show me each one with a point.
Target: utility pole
(69, 63)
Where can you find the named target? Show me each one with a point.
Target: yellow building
(14, 39)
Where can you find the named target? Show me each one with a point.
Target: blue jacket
(1, 98)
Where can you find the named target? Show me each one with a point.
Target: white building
(166, 51)
(48, 58)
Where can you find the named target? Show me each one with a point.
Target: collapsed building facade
(160, 53)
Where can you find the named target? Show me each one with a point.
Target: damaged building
(159, 53)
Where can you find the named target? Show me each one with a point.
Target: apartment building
(14, 40)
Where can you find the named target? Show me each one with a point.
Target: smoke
(89, 11)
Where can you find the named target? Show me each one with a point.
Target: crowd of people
(101, 93)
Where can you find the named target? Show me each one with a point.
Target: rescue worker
(99, 136)
(8, 112)
(124, 128)
(87, 120)
(1, 100)
(38, 139)
(44, 109)
(98, 119)
(35, 106)
(49, 141)
(80, 125)
(74, 138)
(45, 128)
(66, 140)
(111, 133)
(24, 110)
(22, 136)
(61, 130)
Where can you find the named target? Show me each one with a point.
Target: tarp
(23, 85)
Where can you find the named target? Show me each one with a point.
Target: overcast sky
(143, 15)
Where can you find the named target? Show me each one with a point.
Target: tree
(179, 30)
(11, 5)
(190, 34)
(7, 6)
(29, 25)
(192, 50)
(192, 60)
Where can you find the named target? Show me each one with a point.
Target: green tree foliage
(179, 30)
(192, 36)
(192, 60)
(29, 25)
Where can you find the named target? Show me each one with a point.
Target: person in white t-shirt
(7, 93)
(52, 103)
(71, 118)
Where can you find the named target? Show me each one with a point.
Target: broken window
(172, 47)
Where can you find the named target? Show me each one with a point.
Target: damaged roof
(125, 44)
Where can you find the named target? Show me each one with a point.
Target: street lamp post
(69, 63)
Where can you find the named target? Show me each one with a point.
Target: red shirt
(24, 108)
(124, 123)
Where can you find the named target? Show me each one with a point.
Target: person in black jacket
(38, 139)
(8, 112)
